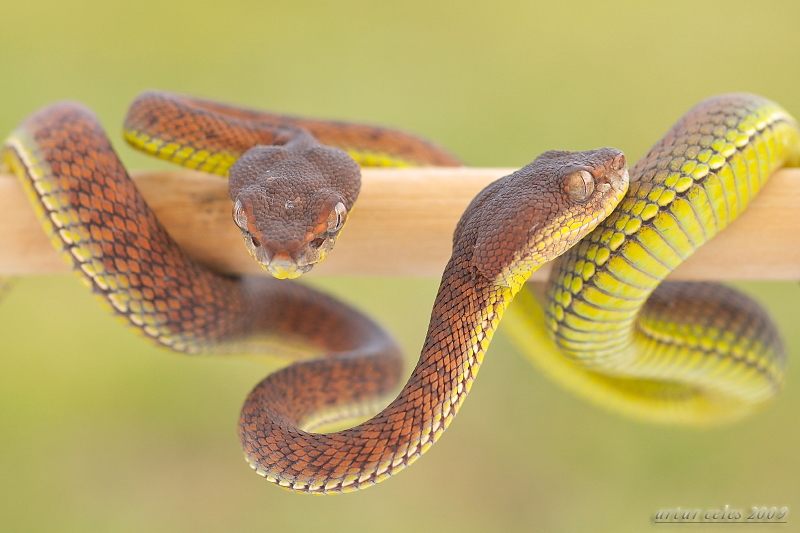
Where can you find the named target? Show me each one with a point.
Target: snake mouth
(282, 266)
(288, 259)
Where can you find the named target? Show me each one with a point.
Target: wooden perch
(402, 225)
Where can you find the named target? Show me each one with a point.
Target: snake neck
(690, 186)
(465, 315)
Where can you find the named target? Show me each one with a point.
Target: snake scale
(688, 354)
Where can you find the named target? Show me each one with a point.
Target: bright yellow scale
(203, 160)
(690, 361)
(220, 163)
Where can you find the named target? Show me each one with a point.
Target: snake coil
(682, 352)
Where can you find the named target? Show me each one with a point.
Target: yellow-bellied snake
(723, 149)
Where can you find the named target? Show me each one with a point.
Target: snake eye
(580, 185)
(337, 217)
(239, 216)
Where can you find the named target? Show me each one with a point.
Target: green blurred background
(99, 431)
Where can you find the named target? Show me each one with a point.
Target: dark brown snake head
(541, 210)
(291, 205)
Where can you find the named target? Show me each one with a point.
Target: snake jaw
(280, 264)
(290, 257)
(285, 261)
(283, 266)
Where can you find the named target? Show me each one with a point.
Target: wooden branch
(402, 225)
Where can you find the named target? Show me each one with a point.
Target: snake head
(534, 215)
(290, 206)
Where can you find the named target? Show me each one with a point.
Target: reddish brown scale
(271, 414)
(247, 132)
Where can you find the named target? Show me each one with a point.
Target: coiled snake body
(103, 227)
(688, 353)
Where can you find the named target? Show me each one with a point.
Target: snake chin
(289, 264)
(286, 269)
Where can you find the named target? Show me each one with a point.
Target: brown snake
(291, 180)
(103, 227)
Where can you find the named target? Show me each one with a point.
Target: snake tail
(680, 353)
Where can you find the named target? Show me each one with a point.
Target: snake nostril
(254, 241)
(316, 243)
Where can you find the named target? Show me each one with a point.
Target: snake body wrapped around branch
(104, 229)
(678, 353)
